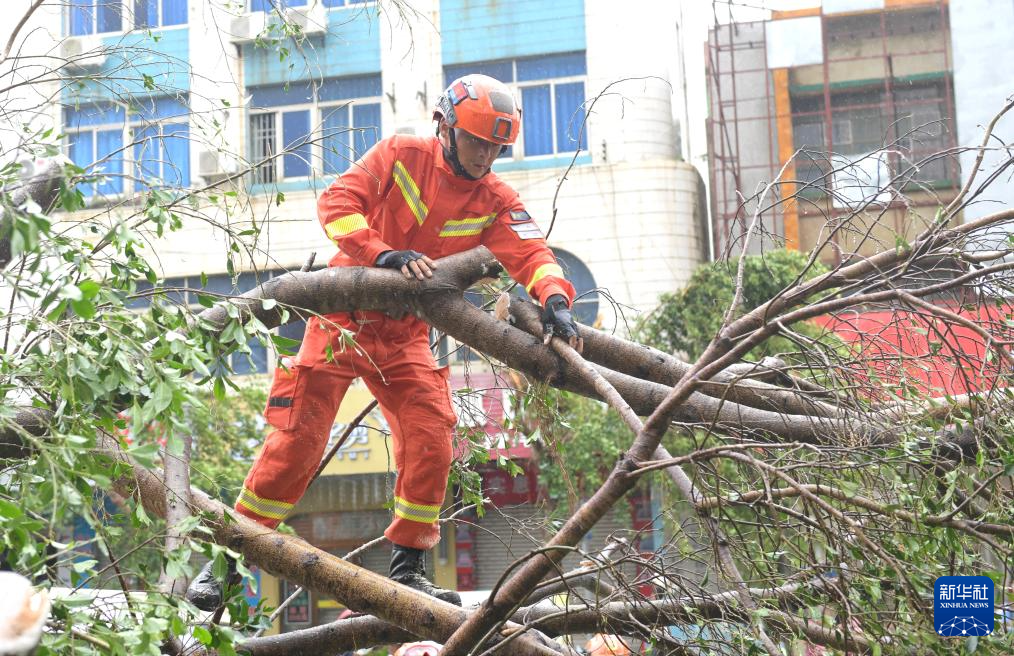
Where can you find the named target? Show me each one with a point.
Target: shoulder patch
(520, 216)
(526, 230)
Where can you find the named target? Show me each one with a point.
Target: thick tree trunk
(294, 560)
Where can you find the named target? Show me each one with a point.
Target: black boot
(408, 567)
(206, 591)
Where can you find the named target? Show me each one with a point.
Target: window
(95, 143)
(320, 129)
(184, 290)
(161, 145)
(143, 146)
(551, 90)
(586, 303)
(862, 123)
(95, 16)
(271, 5)
(159, 13)
(99, 16)
(923, 129)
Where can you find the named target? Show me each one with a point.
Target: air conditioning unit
(312, 20)
(246, 28)
(213, 166)
(83, 54)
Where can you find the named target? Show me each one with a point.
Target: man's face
(476, 155)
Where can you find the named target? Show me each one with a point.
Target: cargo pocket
(444, 374)
(286, 394)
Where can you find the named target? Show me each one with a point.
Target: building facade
(840, 102)
(159, 95)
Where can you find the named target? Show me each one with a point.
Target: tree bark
(295, 560)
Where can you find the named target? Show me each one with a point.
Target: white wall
(980, 33)
(410, 61)
(631, 62)
(28, 103)
(634, 224)
(218, 76)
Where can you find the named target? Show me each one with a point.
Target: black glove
(556, 319)
(397, 259)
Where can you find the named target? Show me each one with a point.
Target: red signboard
(935, 355)
(481, 401)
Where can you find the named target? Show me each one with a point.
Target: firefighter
(408, 202)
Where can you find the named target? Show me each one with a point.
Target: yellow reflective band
(467, 227)
(418, 506)
(413, 518)
(263, 507)
(542, 272)
(410, 191)
(345, 225)
(416, 512)
(259, 512)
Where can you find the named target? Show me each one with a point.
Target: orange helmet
(482, 106)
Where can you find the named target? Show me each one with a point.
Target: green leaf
(82, 566)
(89, 288)
(83, 308)
(220, 568)
(203, 635)
(9, 511)
(141, 516)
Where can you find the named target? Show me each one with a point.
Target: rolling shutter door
(503, 536)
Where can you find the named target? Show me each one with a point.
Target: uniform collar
(445, 167)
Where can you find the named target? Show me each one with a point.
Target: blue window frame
(270, 5)
(184, 291)
(95, 134)
(162, 155)
(317, 129)
(149, 147)
(161, 143)
(159, 13)
(95, 16)
(349, 130)
(586, 304)
(100, 153)
(551, 89)
(296, 143)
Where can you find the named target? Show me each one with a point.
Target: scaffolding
(810, 98)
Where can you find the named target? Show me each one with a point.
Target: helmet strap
(451, 155)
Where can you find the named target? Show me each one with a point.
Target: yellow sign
(366, 451)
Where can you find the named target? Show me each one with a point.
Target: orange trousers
(393, 358)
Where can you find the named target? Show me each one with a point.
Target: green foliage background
(686, 321)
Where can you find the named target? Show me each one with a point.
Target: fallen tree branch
(623, 618)
(301, 563)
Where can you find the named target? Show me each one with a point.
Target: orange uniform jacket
(403, 195)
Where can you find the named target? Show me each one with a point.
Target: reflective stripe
(542, 272)
(416, 512)
(345, 225)
(263, 507)
(467, 227)
(410, 191)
